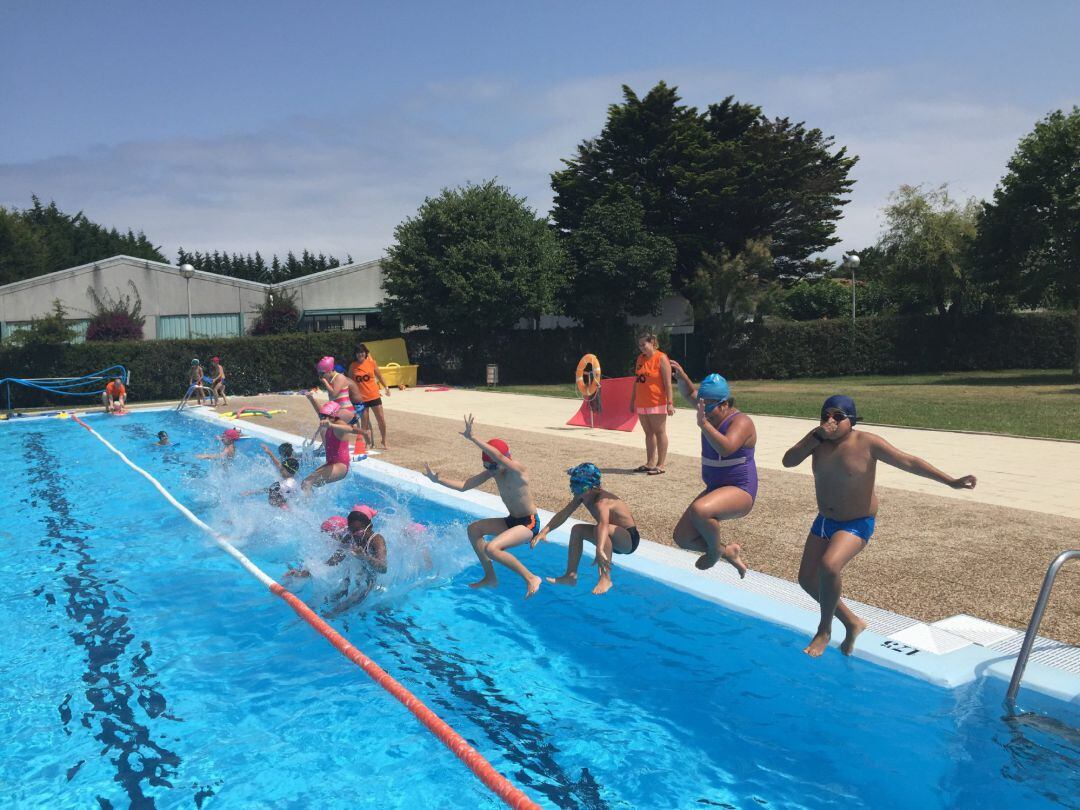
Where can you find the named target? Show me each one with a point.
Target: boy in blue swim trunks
(518, 528)
(845, 462)
(615, 530)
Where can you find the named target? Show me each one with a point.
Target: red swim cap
(499, 445)
(335, 524)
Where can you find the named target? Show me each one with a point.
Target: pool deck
(1037, 474)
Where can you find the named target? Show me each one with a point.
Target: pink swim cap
(330, 409)
(335, 524)
(325, 365)
(230, 435)
(364, 509)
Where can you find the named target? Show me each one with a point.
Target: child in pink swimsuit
(336, 444)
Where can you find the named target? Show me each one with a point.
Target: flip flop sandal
(643, 469)
(657, 471)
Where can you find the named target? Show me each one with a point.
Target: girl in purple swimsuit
(728, 470)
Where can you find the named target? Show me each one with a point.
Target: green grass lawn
(1023, 403)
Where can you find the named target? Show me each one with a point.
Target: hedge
(902, 345)
(770, 349)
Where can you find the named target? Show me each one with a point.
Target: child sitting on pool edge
(615, 529)
(522, 524)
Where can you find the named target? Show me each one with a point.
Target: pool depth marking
(473, 759)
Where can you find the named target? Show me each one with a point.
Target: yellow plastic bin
(394, 375)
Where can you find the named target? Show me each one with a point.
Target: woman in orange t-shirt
(651, 399)
(365, 372)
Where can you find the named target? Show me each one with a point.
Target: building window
(338, 321)
(225, 324)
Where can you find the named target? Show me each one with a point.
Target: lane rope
(473, 759)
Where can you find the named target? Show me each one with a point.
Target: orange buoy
(588, 376)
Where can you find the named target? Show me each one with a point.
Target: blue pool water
(143, 666)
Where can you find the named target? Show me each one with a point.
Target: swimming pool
(144, 664)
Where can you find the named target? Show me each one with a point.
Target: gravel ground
(929, 558)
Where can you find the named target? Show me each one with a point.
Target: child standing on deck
(522, 524)
(615, 529)
(844, 465)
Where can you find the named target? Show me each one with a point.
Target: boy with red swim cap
(520, 527)
(844, 465)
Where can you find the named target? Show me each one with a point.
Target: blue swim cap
(584, 477)
(839, 402)
(714, 387)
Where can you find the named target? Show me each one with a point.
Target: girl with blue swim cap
(615, 530)
(728, 470)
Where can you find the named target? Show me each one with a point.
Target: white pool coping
(947, 653)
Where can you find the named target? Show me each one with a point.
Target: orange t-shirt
(115, 390)
(649, 391)
(364, 374)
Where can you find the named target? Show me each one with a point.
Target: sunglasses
(836, 416)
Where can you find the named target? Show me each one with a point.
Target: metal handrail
(1036, 619)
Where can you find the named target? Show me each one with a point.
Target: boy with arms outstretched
(614, 530)
(522, 524)
(845, 463)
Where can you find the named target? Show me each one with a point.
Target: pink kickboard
(615, 399)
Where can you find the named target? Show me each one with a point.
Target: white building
(346, 297)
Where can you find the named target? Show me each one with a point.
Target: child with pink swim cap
(356, 541)
(335, 442)
(228, 452)
(339, 388)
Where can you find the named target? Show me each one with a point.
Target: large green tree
(472, 262)
(926, 248)
(1029, 236)
(42, 239)
(711, 182)
(617, 267)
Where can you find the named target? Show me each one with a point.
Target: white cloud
(340, 184)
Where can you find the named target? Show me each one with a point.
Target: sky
(276, 126)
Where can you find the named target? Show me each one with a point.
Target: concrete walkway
(1036, 474)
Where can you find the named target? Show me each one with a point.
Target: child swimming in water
(280, 492)
(228, 452)
(615, 529)
(358, 543)
(522, 524)
(162, 439)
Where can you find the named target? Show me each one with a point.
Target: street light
(851, 261)
(187, 271)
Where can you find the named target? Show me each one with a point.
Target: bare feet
(532, 586)
(707, 560)
(489, 581)
(818, 644)
(847, 647)
(735, 558)
(565, 579)
(603, 586)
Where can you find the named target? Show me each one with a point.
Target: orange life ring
(588, 388)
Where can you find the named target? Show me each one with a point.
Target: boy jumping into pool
(615, 529)
(522, 524)
(844, 465)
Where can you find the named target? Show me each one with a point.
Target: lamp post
(187, 271)
(851, 261)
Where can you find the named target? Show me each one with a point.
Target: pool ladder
(1036, 620)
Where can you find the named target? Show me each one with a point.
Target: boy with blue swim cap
(615, 530)
(845, 463)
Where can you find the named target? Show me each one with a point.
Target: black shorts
(635, 538)
(373, 403)
(532, 523)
